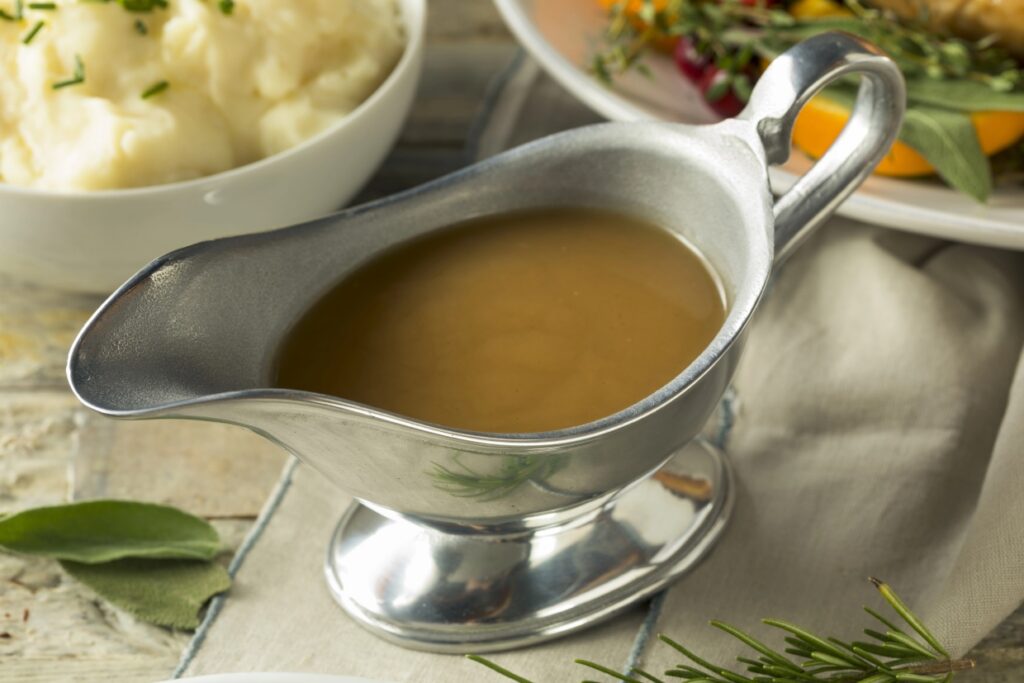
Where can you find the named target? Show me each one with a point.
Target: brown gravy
(523, 322)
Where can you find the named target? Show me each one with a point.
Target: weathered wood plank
(37, 326)
(53, 628)
(141, 668)
(211, 470)
(37, 436)
(465, 20)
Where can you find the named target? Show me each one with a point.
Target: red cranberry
(726, 105)
(690, 61)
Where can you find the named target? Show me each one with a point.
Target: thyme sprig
(725, 29)
(911, 654)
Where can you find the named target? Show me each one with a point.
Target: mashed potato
(242, 83)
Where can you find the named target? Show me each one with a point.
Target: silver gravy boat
(467, 541)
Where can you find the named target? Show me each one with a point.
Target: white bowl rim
(413, 15)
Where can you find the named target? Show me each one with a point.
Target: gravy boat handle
(790, 81)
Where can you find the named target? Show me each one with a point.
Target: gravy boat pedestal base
(435, 590)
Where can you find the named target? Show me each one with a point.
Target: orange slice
(633, 6)
(818, 9)
(661, 42)
(821, 120)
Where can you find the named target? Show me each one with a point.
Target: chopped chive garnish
(42, 5)
(7, 17)
(78, 78)
(142, 5)
(227, 6)
(140, 27)
(19, 9)
(155, 89)
(32, 32)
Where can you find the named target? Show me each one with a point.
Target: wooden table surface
(51, 451)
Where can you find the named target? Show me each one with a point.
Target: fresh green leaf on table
(948, 140)
(962, 95)
(104, 530)
(160, 591)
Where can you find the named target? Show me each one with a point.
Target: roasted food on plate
(962, 62)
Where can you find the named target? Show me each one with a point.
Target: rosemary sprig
(464, 482)
(499, 669)
(899, 655)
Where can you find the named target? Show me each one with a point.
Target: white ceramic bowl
(94, 241)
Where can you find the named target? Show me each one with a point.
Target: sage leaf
(961, 95)
(948, 140)
(104, 530)
(163, 592)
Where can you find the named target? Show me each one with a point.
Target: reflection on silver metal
(422, 587)
(563, 540)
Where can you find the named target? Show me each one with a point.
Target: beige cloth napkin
(877, 428)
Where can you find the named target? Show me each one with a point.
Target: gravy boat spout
(465, 540)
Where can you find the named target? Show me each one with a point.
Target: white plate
(562, 36)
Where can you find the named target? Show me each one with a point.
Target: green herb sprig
(19, 12)
(76, 79)
(911, 654)
(464, 482)
(723, 29)
(155, 89)
(142, 5)
(32, 32)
